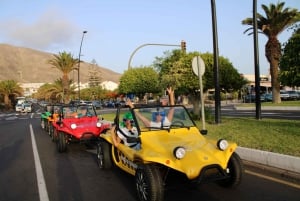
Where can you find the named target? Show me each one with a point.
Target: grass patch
(274, 135)
(279, 136)
(108, 116)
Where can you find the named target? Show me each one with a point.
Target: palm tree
(277, 20)
(54, 92)
(45, 91)
(10, 89)
(65, 63)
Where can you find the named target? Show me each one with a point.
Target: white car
(27, 107)
(19, 107)
(284, 95)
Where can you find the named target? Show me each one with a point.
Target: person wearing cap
(159, 118)
(126, 130)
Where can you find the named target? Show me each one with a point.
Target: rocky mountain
(31, 66)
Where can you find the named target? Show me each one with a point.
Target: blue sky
(117, 27)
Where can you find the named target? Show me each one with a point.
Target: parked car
(250, 98)
(120, 103)
(293, 95)
(43, 103)
(82, 102)
(180, 150)
(27, 107)
(97, 104)
(268, 97)
(109, 104)
(74, 102)
(284, 95)
(78, 124)
(19, 107)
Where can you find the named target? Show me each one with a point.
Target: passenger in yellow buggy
(160, 119)
(126, 131)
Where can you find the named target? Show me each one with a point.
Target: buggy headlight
(98, 124)
(222, 144)
(73, 126)
(179, 152)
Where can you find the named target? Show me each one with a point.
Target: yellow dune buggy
(176, 146)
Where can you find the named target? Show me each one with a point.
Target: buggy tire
(54, 136)
(149, 183)
(61, 142)
(47, 126)
(236, 171)
(104, 158)
(50, 130)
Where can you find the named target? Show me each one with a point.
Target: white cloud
(49, 31)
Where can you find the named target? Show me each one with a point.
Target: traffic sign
(198, 66)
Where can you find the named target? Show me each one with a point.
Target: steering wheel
(177, 124)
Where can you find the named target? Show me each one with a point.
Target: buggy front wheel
(149, 184)
(235, 174)
(104, 158)
(61, 142)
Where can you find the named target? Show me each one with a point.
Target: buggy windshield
(162, 117)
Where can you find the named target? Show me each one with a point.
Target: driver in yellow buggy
(126, 130)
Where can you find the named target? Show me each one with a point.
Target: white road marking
(39, 171)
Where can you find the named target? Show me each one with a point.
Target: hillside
(30, 66)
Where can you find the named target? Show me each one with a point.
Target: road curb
(285, 162)
(285, 108)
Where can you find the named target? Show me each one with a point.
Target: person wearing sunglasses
(126, 130)
(159, 118)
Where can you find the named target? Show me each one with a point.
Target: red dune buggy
(78, 124)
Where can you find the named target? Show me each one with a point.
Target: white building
(30, 88)
(109, 85)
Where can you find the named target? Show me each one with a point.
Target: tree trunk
(273, 54)
(65, 82)
(7, 101)
(274, 82)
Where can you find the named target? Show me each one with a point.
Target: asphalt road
(230, 110)
(75, 176)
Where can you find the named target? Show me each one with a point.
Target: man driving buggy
(126, 130)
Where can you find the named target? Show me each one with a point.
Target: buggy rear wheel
(236, 170)
(104, 158)
(61, 142)
(47, 126)
(54, 135)
(149, 184)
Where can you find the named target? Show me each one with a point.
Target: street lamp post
(182, 45)
(216, 64)
(256, 63)
(83, 33)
